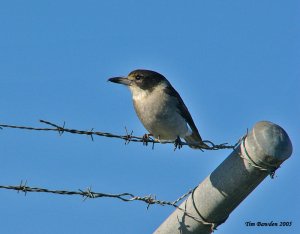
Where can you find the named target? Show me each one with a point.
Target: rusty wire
(128, 137)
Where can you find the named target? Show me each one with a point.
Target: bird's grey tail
(195, 141)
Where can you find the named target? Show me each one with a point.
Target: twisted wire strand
(127, 137)
(88, 193)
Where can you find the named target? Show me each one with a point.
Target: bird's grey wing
(183, 110)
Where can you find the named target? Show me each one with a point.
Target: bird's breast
(158, 112)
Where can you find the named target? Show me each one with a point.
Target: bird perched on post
(160, 108)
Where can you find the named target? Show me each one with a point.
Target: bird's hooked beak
(120, 80)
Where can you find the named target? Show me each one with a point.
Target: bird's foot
(146, 138)
(177, 143)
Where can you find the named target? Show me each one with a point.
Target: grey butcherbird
(160, 107)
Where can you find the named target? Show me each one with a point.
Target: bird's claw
(177, 143)
(146, 138)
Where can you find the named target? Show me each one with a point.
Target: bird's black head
(144, 79)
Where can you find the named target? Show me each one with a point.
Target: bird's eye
(138, 77)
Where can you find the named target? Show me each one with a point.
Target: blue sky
(233, 62)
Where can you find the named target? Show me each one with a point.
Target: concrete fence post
(258, 155)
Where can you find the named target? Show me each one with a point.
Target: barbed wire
(128, 137)
(126, 197)
(89, 194)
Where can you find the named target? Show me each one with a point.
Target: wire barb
(128, 136)
(23, 187)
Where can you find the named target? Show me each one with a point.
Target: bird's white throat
(139, 94)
